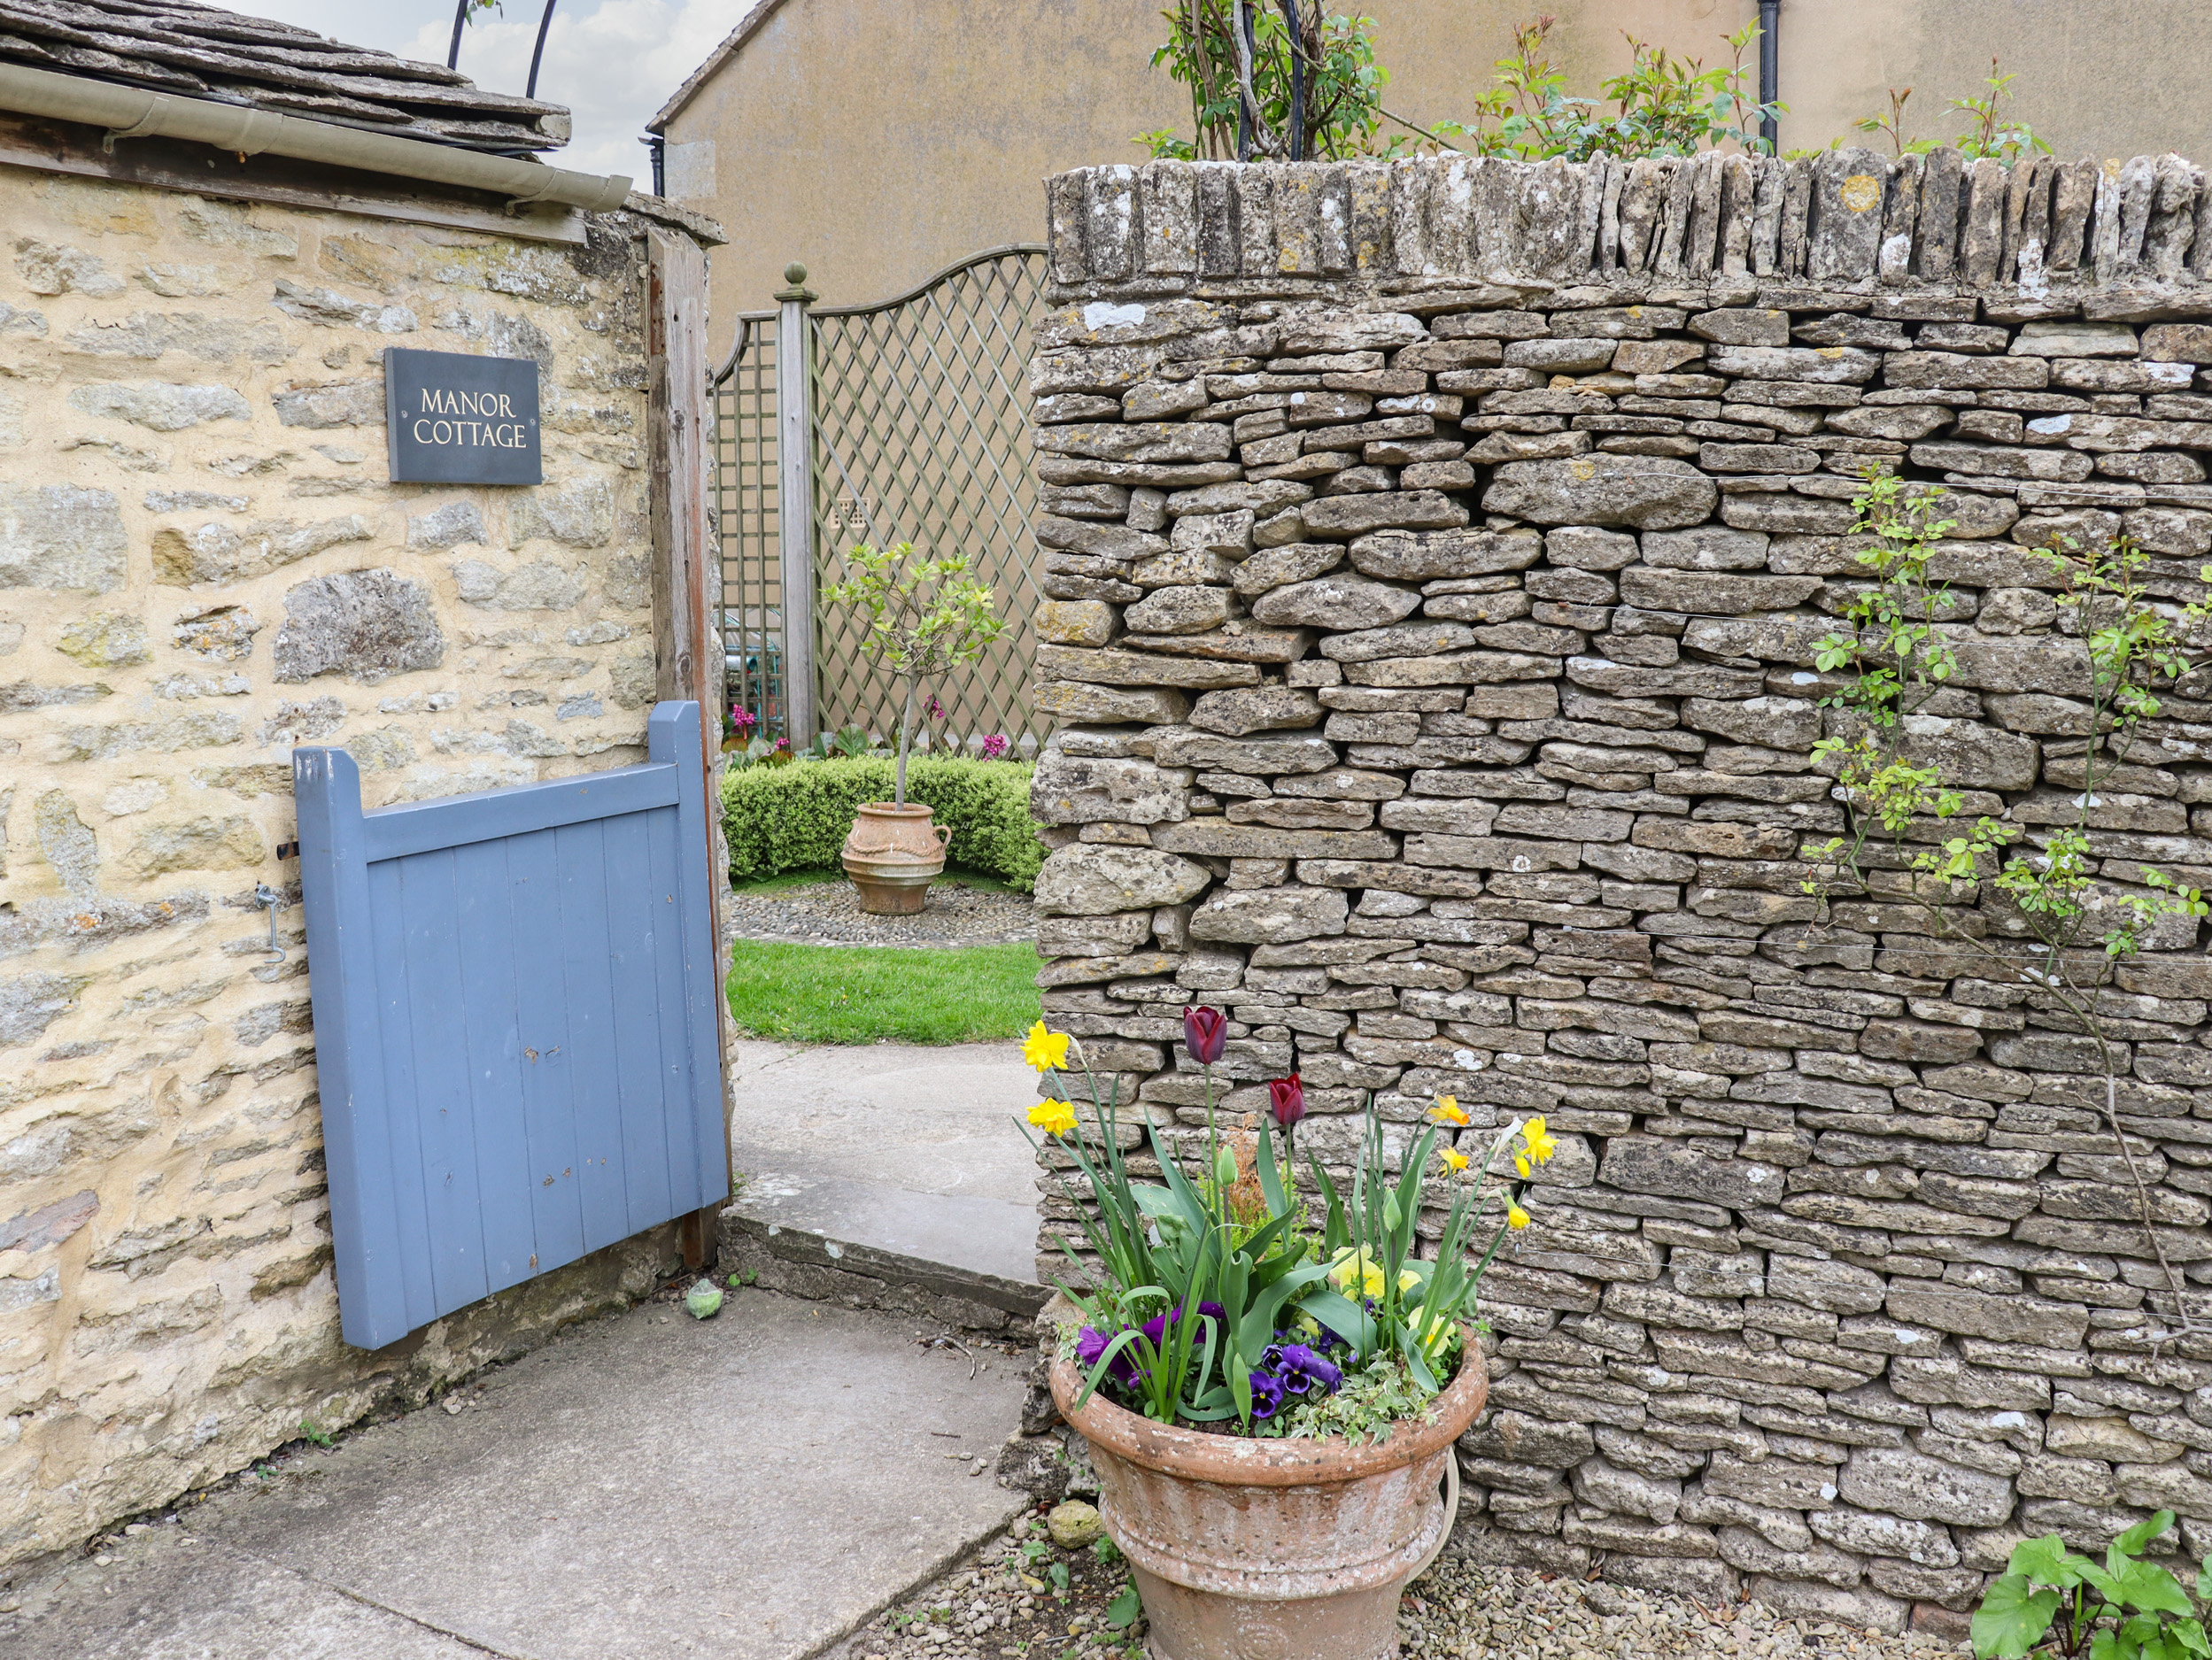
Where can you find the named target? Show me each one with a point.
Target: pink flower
(995, 747)
(933, 709)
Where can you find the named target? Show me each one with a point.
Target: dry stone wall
(1436, 553)
(202, 565)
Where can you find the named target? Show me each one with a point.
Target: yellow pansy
(1045, 1050)
(1516, 1217)
(1054, 1117)
(1538, 1141)
(1408, 1279)
(1453, 1158)
(1448, 1110)
(1441, 1335)
(1351, 1264)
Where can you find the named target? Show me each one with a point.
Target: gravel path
(828, 913)
(1002, 1604)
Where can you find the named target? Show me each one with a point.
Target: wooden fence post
(687, 580)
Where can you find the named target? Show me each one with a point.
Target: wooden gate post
(687, 583)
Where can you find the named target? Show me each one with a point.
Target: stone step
(962, 1260)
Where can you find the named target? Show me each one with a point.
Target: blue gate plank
(587, 970)
(543, 1039)
(506, 1181)
(675, 735)
(638, 1126)
(419, 970)
(516, 1024)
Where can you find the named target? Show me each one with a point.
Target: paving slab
(908, 1149)
(751, 1486)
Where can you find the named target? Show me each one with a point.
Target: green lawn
(873, 993)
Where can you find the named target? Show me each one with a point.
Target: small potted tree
(925, 616)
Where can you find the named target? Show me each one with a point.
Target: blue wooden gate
(516, 1026)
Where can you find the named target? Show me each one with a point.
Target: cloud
(613, 65)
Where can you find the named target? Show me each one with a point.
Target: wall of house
(202, 565)
(1438, 555)
(878, 145)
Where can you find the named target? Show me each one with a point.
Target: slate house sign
(453, 419)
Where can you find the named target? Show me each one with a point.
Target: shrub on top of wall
(796, 817)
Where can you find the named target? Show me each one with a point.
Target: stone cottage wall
(202, 565)
(1434, 554)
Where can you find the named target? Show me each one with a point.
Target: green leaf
(2147, 1586)
(2131, 1542)
(2041, 1560)
(1123, 1610)
(2012, 1620)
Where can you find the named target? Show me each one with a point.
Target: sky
(612, 62)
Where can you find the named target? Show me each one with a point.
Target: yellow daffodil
(1538, 1141)
(1045, 1050)
(1453, 1158)
(1350, 1266)
(1448, 1110)
(1054, 1117)
(1516, 1217)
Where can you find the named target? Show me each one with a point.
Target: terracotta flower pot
(893, 855)
(1291, 1549)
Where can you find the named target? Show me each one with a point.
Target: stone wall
(202, 565)
(1436, 553)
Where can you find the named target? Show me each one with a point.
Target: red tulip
(1204, 1031)
(1287, 1099)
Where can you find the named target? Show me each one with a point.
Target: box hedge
(796, 817)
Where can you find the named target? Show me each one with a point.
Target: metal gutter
(135, 112)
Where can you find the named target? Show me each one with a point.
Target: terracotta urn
(893, 855)
(1291, 1549)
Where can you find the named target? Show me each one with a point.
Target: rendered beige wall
(192, 479)
(878, 143)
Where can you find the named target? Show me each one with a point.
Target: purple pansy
(1267, 1392)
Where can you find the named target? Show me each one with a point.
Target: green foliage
(871, 995)
(309, 1433)
(1338, 97)
(923, 617)
(2059, 894)
(2052, 1602)
(1125, 1609)
(1989, 133)
(1376, 1396)
(1661, 105)
(797, 817)
(1245, 1266)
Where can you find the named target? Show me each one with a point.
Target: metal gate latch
(268, 897)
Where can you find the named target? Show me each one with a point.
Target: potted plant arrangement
(1271, 1393)
(924, 618)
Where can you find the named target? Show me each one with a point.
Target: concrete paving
(752, 1487)
(908, 1149)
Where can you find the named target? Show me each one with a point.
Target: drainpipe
(1769, 71)
(657, 147)
(133, 112)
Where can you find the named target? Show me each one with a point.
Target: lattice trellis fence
(902, 421)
